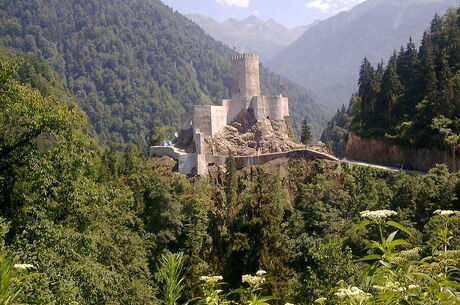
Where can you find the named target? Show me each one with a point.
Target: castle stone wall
(277, 107)
(197, 164)
(218, 119)
(198, 139)
(187, 164)
(244, 161)
(270, 107)
(245, 76)
(202, 119)
(259, 107)
(209, 119)
(233, 107)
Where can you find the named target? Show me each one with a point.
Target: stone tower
(245, 76)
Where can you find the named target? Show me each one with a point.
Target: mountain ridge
(326, 58)
(250, 34)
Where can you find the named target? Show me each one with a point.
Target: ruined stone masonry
(249, 125)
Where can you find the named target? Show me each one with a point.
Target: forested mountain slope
(250, 34)
(130, 64)
(412, 101)
(326, 58)
(415, 99)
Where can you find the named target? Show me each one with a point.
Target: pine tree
(366, 89)
(408, 71)
(427, 66)
(258, 238)
(306, 135)
(391, 91)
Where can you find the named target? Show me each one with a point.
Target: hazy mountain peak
(250, 34)
(251, 18)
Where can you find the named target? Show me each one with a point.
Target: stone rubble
(268, 136)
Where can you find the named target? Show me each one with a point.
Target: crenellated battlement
(244, 56)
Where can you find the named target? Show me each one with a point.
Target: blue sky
(291, 13)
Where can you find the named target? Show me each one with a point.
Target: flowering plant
(13, 277)
(212, 294)
(397, 276)
(251, 295)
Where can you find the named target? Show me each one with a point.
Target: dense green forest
(335, 134)
(415, 99)
(82, 224)
(132, 65)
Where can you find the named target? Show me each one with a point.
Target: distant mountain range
(250, 35)
(327, 57)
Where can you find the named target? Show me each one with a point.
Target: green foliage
(250, 295)
(231, 182)
(82, 234)
(26, 116)
(396, 276)
(169, 276)
(96, 221)
(414, 99)
(305, 136)
(257, 238)
(335, 135)
(159, 134)
(13, 277)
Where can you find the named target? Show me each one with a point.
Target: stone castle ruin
(253, 127)
(245, 93)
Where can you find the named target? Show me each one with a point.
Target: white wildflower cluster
(448, 254)
(404, 256)
(378, 215)
(321, 300)
(23, 266)
(288, 304)
(256, 280)
(353, 292)
(445, 213)
(211, 279)
(262, 273)
(393, 287)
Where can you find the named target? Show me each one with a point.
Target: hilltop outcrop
(268, 136)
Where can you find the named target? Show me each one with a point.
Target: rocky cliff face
(244, 139)
(376, 151)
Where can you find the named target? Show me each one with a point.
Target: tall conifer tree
(306, 135)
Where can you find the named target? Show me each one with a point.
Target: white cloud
(322, 5)
(339, 10)
(237, 3)
(350, 3)
(333, 5)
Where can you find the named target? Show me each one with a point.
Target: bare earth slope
(268, 136)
